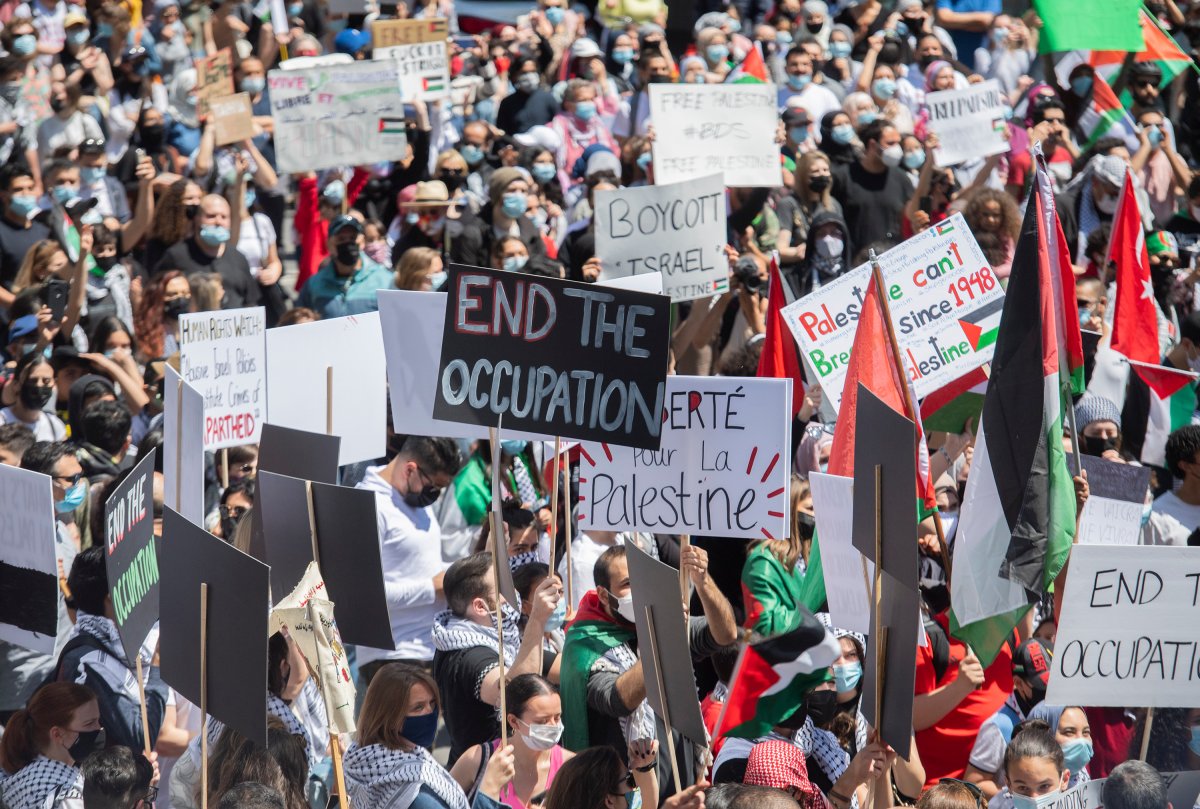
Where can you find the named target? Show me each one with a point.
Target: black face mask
(1094, 445)
(35, 396)
(453, 180)
(176, 307)
(807, 525)
(106, 263)
(57, 105)
(191, 210)
(424, 498)
(348, 253)
(819, 184)
(85, 744)
(814, 27)
(152, 135)
(1029, 704)
(821, 706)
(658, 78)
(228, 527)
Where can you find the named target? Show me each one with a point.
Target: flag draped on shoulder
(779, 359)
(1018, 516)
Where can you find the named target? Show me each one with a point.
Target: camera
(745, 270)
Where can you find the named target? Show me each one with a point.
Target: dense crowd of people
(119, 214)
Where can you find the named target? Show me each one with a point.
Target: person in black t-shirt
(532, 105)
(208, 250)
(18, 233)
(874, 190)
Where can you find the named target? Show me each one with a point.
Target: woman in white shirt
(34, 382)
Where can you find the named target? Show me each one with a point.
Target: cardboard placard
(233, 118)
(677, 229)
(553, 357)
(656, 586)
(236, 648)
(1087, 795)
(28, 571)
(724, 129)
(223, 355)
(131, 555)
(1128, 635)
(297, 376)
(900, 613)
(419, 49)
(1112, 514)
(719, 470)
(337, 115)
(183, 447)
(849, 575)
(214, 78)
(969, 123)
(347, 542)
(391, 33)
(945, 303)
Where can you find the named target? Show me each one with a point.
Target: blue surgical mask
(847, 677)
(557, 618)
(1085, 315)
(90, 175)
(514, 263)
(555, 15)
(420, 730)
(784, 38)
(1040, 802)
(633, 799)
(1076, 754)
(437, 279)
(514, 204)
(999, 35)
(644, 159)
(250, 198)
(901, 28)
(716, 53)
(1194, 744)
(295, 9)
(622, 56)
(839, 49)
(914, 160)
(24, 44)
(104, 29)
(72, 499)
(798, 134)
(412, 217)
(78, 37)
(253, 84)
(883, 88)
(543, 172)
(1080, 85)
(843, 134)
(867, 117)
(471, 153)
(64, 193)
(798, 83)
(513, 446)
(1155, 136)
(214, 235)
(585, 110)
(23, 204)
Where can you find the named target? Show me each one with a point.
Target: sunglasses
(71, 479)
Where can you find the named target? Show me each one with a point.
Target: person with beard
(995, 220)
(43, 744)
(1031, 674)
(874, 190)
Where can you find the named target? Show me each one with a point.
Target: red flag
(779, 359)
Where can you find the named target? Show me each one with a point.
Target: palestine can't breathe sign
(945, 303)
(131, 555)
(677, 229)
(553, 357)
(718, 470)
(223, 355)
(969, 123)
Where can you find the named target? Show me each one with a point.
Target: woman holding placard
(43, 743)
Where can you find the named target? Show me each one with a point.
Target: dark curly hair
(1169, 737)
(993, 242)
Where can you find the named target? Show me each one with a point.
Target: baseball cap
(345, 221)
(74, 18)
(541, 136)
(1032, 662)
(796, 116)
(22, 326)
(603, 161)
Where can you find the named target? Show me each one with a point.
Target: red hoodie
(311, 230)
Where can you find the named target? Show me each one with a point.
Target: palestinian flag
(981, 326)
(1135, 330)
(779, 359)
(1018, 516)
(1159, 48)
(949, 408)
(391, 126)
(752, 70)
(773, 676)
(1105, 117)
(1070, 338)
(435, 84)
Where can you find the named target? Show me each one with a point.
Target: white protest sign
(707, 129)
(847, 572)
(1088, 795)
(298, 382)
(945, 303)
(337, 115)
(718, 471)
(677, 229)
(1117, 492)
(223, 355)
(1130, 629)
(28, 572)
(183, 448)
(969, 123)
(419, 50)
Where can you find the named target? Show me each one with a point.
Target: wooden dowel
(204, 695)
(142, 701)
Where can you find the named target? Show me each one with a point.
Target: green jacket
(771, 592)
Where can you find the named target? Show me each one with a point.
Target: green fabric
(587, 642)
(473, 491)
(812, 586)
(777, 590)
(1108, 26)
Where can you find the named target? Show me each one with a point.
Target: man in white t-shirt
(1183, 504)
(801, 90)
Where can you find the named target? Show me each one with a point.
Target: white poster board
(1117, 500)
(223, 355)
(337, 115)
(721, 470)
(969, 123)
(847, 572)
(945, 303)
(28, 572)
(419, 50)
(1130, 629)
(298, 374)
(706, 129)
(183, 448)
(676, 229)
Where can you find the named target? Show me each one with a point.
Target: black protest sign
(656, 597)
(1116, 481)
(131, 555)
(1183, 788)
(347, 547)
(899, 613)
(235, 636)
(299, 453)
(886, 439)
(553, 357)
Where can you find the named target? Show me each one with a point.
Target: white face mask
(625, 607)
(892, 155)
(830, 246)
(1107, 205)
(541, 737)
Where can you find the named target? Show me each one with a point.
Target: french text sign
(969, 123)
(223, 355)
(28, 580)
(1117, 492)
(131, 555)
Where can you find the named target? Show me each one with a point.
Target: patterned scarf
(825, 748)
(376, 775)
(451, 633)
(43, 782)
(113, 664)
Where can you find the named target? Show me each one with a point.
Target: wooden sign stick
(554, 490)
(328, 400)
(142, 701)
(666, 717)
(204, 695)
(1146, 734)
(685, 585)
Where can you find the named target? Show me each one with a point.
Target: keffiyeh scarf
(377, 776)
(452, 633)
(43, 783)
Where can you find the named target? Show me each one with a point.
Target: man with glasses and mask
(410, 543)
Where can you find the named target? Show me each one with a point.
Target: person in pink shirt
(578, 126)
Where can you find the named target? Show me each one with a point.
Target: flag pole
(662, 692)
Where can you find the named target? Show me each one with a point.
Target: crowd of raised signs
(126, 205)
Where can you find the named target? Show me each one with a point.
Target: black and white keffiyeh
(44, 784)
(384, 778)
(452, 633)
(825, 748)
(110, 661)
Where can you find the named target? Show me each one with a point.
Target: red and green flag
(779, 359)
(1105, 116)
(752, 70)
(1111, 24)
(1157, 47)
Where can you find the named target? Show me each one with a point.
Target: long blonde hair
(788, 551)
(35, 261)
(414, 266)
(804, 172)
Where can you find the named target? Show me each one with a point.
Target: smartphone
(926, 205)
(466, 42)
(56, 293)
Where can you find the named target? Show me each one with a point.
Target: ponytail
(28, 731)
(17, 746)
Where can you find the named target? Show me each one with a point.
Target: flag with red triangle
(1104, 117)
(1070, 339)
(752, 70)
(779, 359)
(1159, 48)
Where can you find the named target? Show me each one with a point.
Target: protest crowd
(289, 296)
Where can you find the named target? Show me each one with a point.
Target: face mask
(334, 193)
(72, 499)
(543, 172)
(555, 15)
(86, 743)
(437, 279)
(843, 134)
(892, 155)
(999, 35)
(659, 78)
(1155, 137)
(420, 730)
(949, 522)
(432, 226)
(814, 27)
(253, 84)
(426, 496)
(1076, 754)
(622, 606)
(106, 263)
(514, 263)
(1080, 85)
(1194, 744)
(412, 218)
(295, 9)
(104, 29)
(839, 49)
(1040, 802)
(821, 706)
(867, 117)
(716, 53)
(1085, 315)
(830, 246)
(622, 56)
(91, 175)
(35, 396)
(24, 44)
(542, 737)
(190, 211)
(846, 678)
(249, 198)
(176, 307)
(798, 134)
(64, 193)
(914, 160)
(513, 446)
(1094, 445)
(633, 799)
(214, 235)
(22, 204)
(348, 253)
(645, 158)
(585, 110)
(883, 88)
(557, 618)
(514, 205)
(1107, 205)
(78, 37)
(798, 83)
(528, 82)
(784, 38)
(471, 153)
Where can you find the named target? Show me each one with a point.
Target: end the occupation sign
(553, 357)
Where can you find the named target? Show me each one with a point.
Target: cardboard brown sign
(233, 118)
(389, 33)
(214, 78)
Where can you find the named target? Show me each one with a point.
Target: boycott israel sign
(553, 357)
(945, 303)
(337, 115)
(223, 355)
(678, 230)
(1130, 629)
(969, 123)
(131, 555)
(718, 470)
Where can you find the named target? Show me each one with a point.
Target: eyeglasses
(233, 512)
(975, 791)
(626, 784)
(1144, 83)
(72, 479)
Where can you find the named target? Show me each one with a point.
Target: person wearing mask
(874, 190)
(96, 183)
(579, 126)
(801, 89)
(811, 195)
(654, 67)
(17, 132)
(33, 379)
(535, 719)
(19, 232)
(474, 146)
(43, 745)
(828, 253)
(508, 192)
(164, 302)
(410, 545)
(170, 37)
(1163, 173)
(389, 762)
(466, 639)
(426, 217)
(1049, 119)
(1035, 768)
(531, 105)
(1098, 421)
(82, 64)
(315, 209)
(349, 281)
(838, 139)
(68, 126)
(420, 269)
(1074, 734)
(209, 250)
